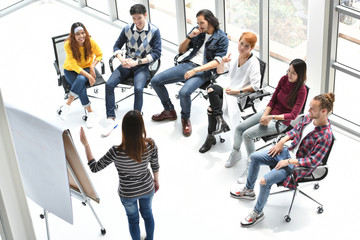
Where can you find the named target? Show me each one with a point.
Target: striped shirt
(312, 149)
(135, 179)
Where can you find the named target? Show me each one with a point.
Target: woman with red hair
(82, 55)
(244, 76)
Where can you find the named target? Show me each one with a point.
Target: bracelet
(289, 161)
(273, 117)
(187, 36)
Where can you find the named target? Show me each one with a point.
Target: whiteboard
(14, 211)
(40, 151)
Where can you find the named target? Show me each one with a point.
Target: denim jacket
(215, 48)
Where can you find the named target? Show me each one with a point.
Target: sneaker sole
(105, 135)
(254, 223)
(242, 197)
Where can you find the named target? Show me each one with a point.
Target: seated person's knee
(262, 181)
(209, 111)
(210, 90)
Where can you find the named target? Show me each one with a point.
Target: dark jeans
(216, 103)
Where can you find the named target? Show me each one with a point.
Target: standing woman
(285, 104)
(131, 159)
(244, 76)
(82, 55)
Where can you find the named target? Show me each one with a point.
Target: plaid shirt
(312, 148)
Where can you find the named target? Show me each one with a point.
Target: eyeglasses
(292, 73)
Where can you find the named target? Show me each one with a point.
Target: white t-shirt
(199, 57)
(238, 78)
(306, 130)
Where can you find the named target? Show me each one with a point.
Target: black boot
(221, 125)
(210, 140)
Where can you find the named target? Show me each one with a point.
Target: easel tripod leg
(103, 231)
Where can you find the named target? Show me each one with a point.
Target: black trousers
(216, 103)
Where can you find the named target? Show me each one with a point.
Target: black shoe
(221, 125)
(210, 140)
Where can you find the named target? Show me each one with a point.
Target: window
(348, 49)
(288, 35)
(123, 9)
(241, 16)
(163, 15)
(7, 3)
(101, 6)
(346, 93)
(192, 7)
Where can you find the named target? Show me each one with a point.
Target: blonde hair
(326, 101)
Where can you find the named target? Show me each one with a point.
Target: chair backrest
(322, 170)
(262, 71)
(59, 51)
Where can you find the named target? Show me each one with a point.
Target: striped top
(135, 179)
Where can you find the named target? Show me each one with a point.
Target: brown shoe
(169, 115)
(186, 127)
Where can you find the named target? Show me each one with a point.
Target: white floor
(193, 201)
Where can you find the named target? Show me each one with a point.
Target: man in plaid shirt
(311, 139)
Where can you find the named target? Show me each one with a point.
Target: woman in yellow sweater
(82, 55)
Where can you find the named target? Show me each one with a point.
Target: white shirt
(306, 130)
(199, 57)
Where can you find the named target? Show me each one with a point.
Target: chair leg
(310, 197)
(292, 201)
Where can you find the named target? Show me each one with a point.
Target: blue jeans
(251, 129)
(173, 75)
(78, 85)
(272, 177)
(141, 75)
(132, 212)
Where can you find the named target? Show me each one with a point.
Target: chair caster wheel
(316, 186)
(123, 90)
(287, 218)
(84, 118)
(116, 106)
(320, 210)
(42, 216)
(83, 203)
(222, 140)
(103, 231)
(177, 96)
(96, 91)
(59, 111)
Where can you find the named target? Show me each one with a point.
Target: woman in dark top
(285, 104)
(131, 159)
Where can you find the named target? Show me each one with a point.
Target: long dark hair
(300, 68)
(209, 16)
(74, 45)
(134, 135)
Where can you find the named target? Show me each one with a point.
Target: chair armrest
(102, 67)
(111, 63)
(215, 75)
(176, 58)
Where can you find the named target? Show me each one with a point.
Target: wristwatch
(273, 117)
(241, 91)
(187, 36)
(139, 62)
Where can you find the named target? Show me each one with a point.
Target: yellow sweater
(71, 64)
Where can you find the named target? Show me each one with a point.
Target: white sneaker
(234, 157)
(64, 111)
(109, 127)
(243, 178)
(90, 121)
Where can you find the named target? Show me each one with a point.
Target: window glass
(288, 35)
(101, 6)
(351, 4)
(348, 49)
(123, 8)
(346, 92)
(7, 3)
(192, 7)
(163, 15)
(241, 16)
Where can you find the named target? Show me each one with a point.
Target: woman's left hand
(265, 120)
(92, 72)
